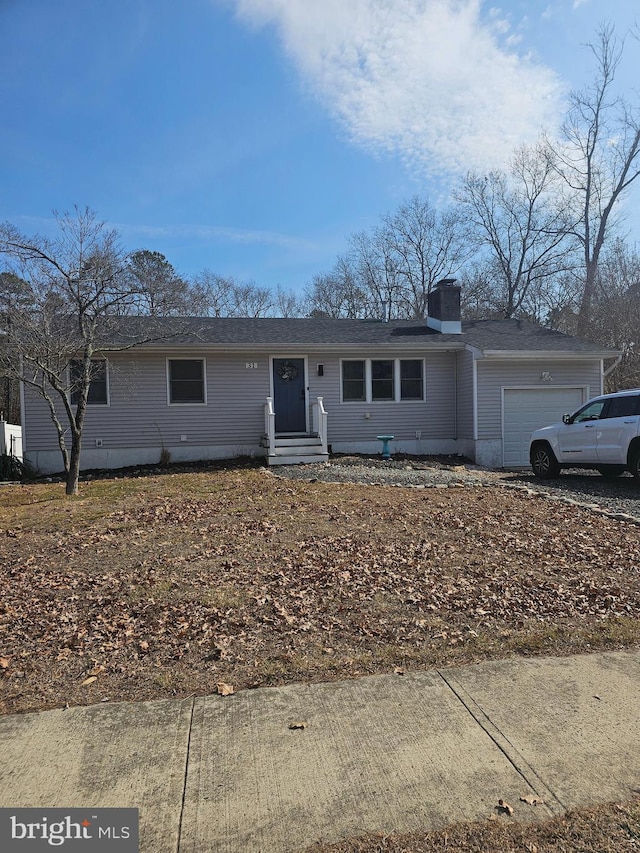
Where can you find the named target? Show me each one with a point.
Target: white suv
(604, 434)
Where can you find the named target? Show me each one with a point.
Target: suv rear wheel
(544, 462)
(635, 465)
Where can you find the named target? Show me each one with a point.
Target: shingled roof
(487, 336)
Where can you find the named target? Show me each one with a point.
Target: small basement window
(186, 380)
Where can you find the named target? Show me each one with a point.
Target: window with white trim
(186, 380)
(382, 379)
(374, 380)
(411, 379)
(98, 394)
(354, 385)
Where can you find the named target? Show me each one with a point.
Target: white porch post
(320, 422)
(270, 425)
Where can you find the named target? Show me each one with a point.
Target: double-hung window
(393, 380)
(98, 383)
(354, 385)
(411, 379)
(186, 380)
(382, 379)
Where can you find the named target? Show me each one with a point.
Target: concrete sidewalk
(382, 753)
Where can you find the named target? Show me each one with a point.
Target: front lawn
(171, 585)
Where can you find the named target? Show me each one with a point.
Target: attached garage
(527, 409)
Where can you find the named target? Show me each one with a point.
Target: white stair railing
(320, 422)
(270, 425)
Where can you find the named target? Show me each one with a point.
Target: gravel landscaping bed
(618, 496)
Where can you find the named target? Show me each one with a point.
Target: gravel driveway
(617, 497)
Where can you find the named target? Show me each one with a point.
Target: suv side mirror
(566, 419)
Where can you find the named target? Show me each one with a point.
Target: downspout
(475, 397)
(604, 373)
(455, 397)
(23, 414)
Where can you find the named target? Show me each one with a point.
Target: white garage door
(527, 409)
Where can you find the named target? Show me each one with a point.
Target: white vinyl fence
(10, 440)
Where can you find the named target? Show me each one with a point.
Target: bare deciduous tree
(420, 246)
(250, 300)
(615, 312)
(214, 295)
(58, 308)
(377, 276)
(211, 295)
(338, 293)
(522, 230)
(597, 159)
(287, 303)
(390, 271)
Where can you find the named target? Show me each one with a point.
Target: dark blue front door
(289, 398)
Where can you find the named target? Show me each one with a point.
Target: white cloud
(48, 225)
(218, 233)
(429, 79)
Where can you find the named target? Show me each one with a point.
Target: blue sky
(253, 137)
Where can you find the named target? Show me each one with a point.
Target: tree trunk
(74, 465)
(584, 315)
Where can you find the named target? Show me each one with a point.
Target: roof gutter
(562, 355)
(411, 345)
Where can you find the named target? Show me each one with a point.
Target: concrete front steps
(295, 450)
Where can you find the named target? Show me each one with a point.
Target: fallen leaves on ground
(173, 584)
(614, 828)
(503, 807)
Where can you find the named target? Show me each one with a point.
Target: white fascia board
(475, 352)
(549, 354)
(411, 345)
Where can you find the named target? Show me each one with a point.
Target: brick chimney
(444, 307)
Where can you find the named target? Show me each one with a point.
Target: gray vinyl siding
(496, 374)
(347, 422)
(464, 382)
(138, 415)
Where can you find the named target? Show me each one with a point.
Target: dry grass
(166, 585)
(613, 828)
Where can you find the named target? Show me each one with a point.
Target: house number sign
(251, 365)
